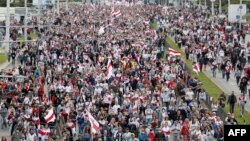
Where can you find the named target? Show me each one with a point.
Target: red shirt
(65, 116)
(40, 91)
(185, 130)
(151, 136)
(35, 111)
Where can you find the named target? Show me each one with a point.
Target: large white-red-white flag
(95, 126)
(109, 69)
(43, 133)
(196, 68)
(50, 117)
(116, 13)
(174, 52)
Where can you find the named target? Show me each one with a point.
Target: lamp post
(67, 5)
(58, 7)
(39, 14)
(8, 25)
(212, 1)
(240, 14)
(199, 4)
(25, 22)
(220, 7)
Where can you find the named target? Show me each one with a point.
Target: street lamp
(199, 4)
(67, 5)
(212, 1)
(219, 7)
(240, 14)
(58, 7)
(25, 22)
(8, 25)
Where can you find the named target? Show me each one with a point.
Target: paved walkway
(225, 86)
(6, 133)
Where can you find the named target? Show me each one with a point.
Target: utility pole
(58, 8)
(220, 7)
(39, 14)
(199, 4)
(8, 26)
(212, 1)
(67, 5)
(240, 14)
(25, 22)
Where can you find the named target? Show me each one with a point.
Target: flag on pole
(94, 124)
(50, 117)
(174, 52)
(196, 68)
(116, 13)
(43, 133)
(109, 69)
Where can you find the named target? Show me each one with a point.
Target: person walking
(228, 71)
(185, 130)
(238, 76)
(213, 68)
(222, 68)
(231, 101)
(242, 103)
(248, 89)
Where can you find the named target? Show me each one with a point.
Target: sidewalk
(6, 133)
(226, 87)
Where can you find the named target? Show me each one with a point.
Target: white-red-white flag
(174, 52)
(136, 45)
(116, 13)
(196, 68)
(50, 117)
(95, 126)
(166, 130)
(109, 69)
(43, 133)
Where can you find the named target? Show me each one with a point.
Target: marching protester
(100, 73)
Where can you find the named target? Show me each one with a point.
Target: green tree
(2, 3)
(14, 3)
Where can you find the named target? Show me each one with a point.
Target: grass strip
(211, 89)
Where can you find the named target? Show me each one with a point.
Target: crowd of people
(216, 44)
(109, 61)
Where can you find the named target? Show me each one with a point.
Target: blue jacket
(143, 137)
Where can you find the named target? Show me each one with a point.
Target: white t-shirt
(189, 95)
(31, 137)
(165, 97)
(202, 137)
(149, 113)
(115, 108)
(68, 89)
